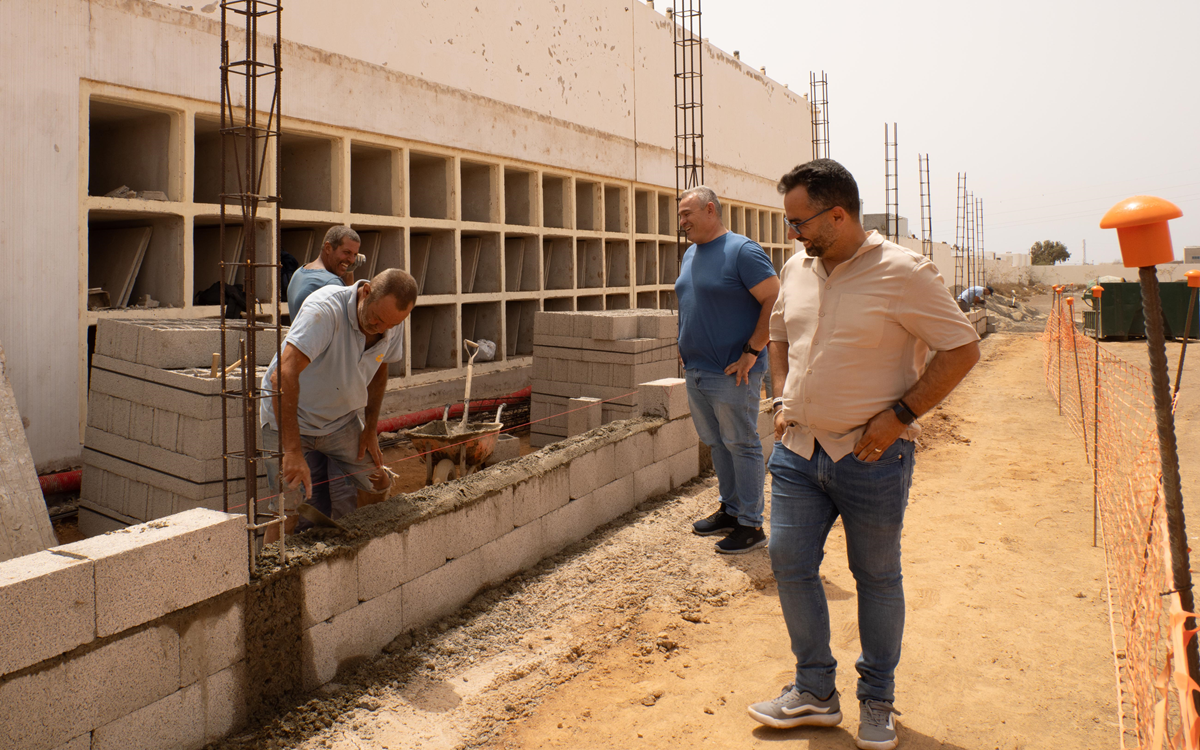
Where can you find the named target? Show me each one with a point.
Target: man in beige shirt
(850, 334)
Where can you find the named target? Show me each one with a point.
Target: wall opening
(129, 146)
(429, 186)
(519, 197)
(479, 198)
(373, 182)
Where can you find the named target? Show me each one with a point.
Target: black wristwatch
(903, 413)
(747, 349)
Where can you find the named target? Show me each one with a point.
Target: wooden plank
(114, 259)
(420, 259)
(470, 266)
(24, 521)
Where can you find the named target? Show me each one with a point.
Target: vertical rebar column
(250, 136)
(960, 235)
(926, 207)
(891, 168)
(818, 98)
(687, 39)
(969, 237)
(979, 239)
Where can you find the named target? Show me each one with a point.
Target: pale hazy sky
(1055, 110)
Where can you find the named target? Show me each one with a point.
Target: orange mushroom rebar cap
(1097, 291)
(1141, 224)
(1070, 301)
(1193, 278)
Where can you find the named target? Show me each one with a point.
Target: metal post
(1096, 428)
(1058, 335)
(1078, 378)
(1168, 455)
(1187, 329)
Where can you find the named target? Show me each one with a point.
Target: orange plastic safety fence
(1109, 403)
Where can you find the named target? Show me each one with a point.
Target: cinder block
(685, 466)
(541, 368)
(119, 413)
(141, 424)
(442, 591)
(635, 451)
(600, 373)
(577, 372)
(507, 446)
(44, 709)
(98, 407)
(166, 429)
(673, 437)
(47, 608)
(560, 369)
(517, 550)
(666, 398)
(583, 415)
(581, 517)
(148, 570)
(176, 721)
(541, 494)
(354, 634)
(223, 700)
(652, 480)
(542, 439)
(552, 324)
(581, 327)
(614, 327)
(329, 587)
(592, 470)
(470, 527)
(212, 641)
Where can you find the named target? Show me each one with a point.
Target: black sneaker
(718, 523)
(743, 539)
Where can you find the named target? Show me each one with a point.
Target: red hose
(67, 481)
(418, 418)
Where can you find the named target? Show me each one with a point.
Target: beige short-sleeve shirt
(858, 339)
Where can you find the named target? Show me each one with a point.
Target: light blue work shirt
(334, 385)
(304, 282)
(970, 293)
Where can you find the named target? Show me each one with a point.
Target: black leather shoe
(743, 539)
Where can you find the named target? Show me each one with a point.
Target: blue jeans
(726, 419)
(333, 463)
(806, 496)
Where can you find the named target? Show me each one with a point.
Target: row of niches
(436, 331)
(137, 259)
(131, 149)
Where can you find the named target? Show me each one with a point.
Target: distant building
(878, 222)
(1191, 254)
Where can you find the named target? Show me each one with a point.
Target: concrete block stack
(603, 355)
(154, 437)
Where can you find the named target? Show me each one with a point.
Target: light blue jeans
(806, 496)
(726, 419)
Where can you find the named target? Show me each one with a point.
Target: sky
(1056, 110)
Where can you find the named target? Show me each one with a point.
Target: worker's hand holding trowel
(295, 472)
(368, 443)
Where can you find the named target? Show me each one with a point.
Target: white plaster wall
(450, 78)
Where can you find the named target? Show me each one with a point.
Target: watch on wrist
(903, 413)
(747, 349)
(776, 403)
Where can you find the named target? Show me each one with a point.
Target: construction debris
(24, 522)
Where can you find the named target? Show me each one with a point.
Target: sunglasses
(796, 224)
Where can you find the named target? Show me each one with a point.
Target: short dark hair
(396, 284)
(827, 183)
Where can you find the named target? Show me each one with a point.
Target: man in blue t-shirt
(726, 289)
(333, 493)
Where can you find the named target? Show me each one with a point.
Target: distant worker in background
(726, 288)
(974, 295)
(334, 363)
(333, 494)
(849, 337)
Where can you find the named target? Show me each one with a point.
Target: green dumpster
(1122, 317)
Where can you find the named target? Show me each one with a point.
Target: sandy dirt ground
(642, 636)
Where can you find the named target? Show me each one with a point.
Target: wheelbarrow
(465, 444)
(447, 446)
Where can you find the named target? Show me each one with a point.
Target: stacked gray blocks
(153, 442)
(602, 355)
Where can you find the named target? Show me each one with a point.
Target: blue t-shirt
(717, 312)
(304, 282)
(334, 385)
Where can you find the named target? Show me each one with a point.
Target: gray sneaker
(794, 709)
(876, 728)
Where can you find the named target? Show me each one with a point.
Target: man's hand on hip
(295, 472)
(741, 368)
(780, 424)
(882, 430)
